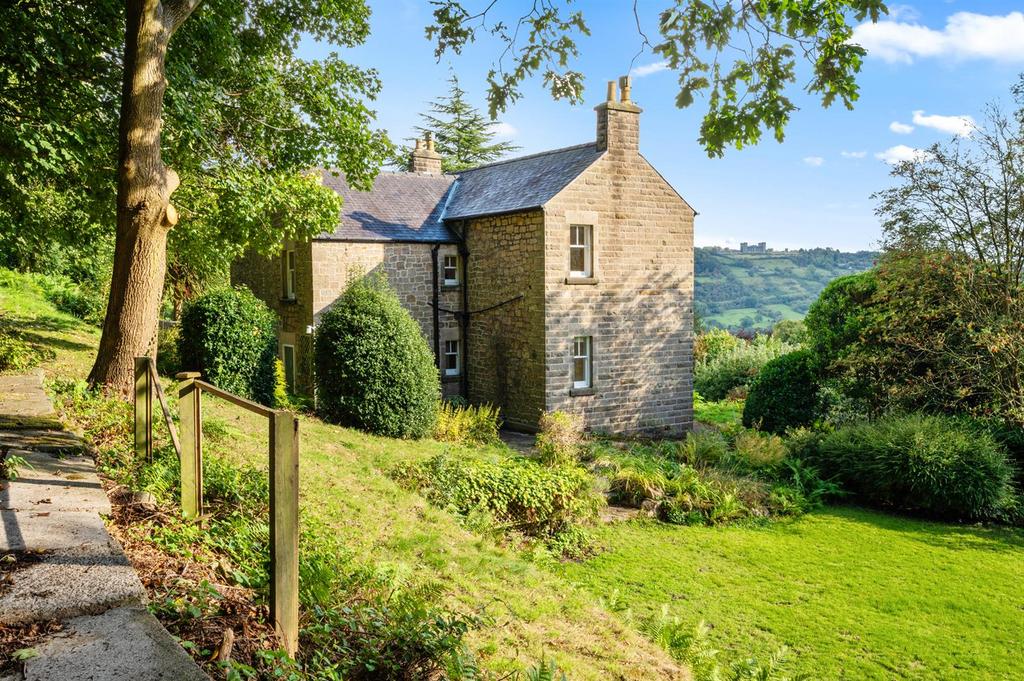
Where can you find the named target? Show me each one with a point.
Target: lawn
(854, 594)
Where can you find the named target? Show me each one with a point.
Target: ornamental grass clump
(561, 438)
(374, 370)
(939, 466)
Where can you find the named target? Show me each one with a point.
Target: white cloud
(503, 129)
(901, 153)
(648, 69)
(962, 126)
(853, 154)
(901, 128)
(814, 161)
(966, 36)
(904, 12)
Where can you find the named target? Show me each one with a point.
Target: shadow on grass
(946, 535)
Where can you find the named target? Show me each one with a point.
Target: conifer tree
(462, 135)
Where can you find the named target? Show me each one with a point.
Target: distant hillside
(753, 291)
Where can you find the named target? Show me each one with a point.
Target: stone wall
(264, 277)
(638, 308)
(506, 344)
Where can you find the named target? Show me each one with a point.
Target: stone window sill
(449, 287)
(289, 301)
(581, 392)
(581, 281)
(447, 378)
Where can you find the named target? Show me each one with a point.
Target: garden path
(60, 571)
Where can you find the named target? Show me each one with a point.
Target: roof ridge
(528, 156)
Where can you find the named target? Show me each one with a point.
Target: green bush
(714, 344)
(230, 336)
(89, 305)
(560, 439)
(374, 369)
(790, 331)
(784, 395)
(715, 377)
(524, 496)
(168, 361)
(936, 465)
(837, 319)
(467, 424)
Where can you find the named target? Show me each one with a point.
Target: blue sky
(942, 59)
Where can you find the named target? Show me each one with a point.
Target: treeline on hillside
(756, 290)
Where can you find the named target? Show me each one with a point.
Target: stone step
(52, 482)
(42, 440)
(121, 644)
(75, 567)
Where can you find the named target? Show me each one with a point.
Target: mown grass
(854, 594)
(530, 612)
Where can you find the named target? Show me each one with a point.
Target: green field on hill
(755, 290)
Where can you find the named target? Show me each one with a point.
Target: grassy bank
(528, 612)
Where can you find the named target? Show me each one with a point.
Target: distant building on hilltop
(761, 247)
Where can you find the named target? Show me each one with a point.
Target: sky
(932, 67)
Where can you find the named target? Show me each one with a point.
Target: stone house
(559, 280)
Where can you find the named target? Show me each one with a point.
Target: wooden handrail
(254, 407)
(164, 408)
(284, 492)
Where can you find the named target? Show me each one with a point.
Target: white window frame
(457, 354)
(588, 357)
(588, 251)
(289, 274)
(285, 347)
(444, 269)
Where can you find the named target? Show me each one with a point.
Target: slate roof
(414, 207)
(401, 207)
(519, 183)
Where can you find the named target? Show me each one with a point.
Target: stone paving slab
(42, 440)
(55, 483)
(78, 531)
(69, 584)
(120, 645)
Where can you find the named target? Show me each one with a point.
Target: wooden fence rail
(283, 431)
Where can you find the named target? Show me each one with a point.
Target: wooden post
(284, 528)
(143, 409)
(191, 420)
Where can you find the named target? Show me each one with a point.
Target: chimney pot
(626, 84)
(424, 158)
(611, 90)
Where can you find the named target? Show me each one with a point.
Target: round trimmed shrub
(374, 370)
(837, 318)
(230, 336)
(936, 465)
(784, 395)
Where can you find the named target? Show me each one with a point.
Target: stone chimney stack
(618, 120)
(425, 160)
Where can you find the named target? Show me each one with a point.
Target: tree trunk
(144, 186)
